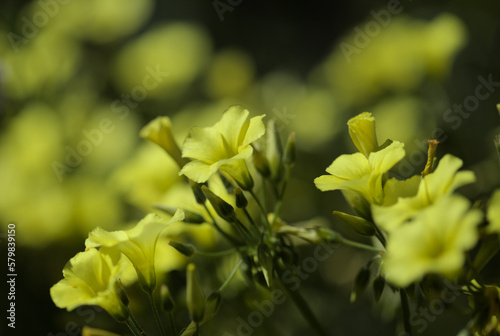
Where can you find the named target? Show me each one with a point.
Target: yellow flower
(493, 213)
(138, 244)
(362, 132)
(224, 147)
(90, 278)
(159, 131)
(362, 174)
(443, 181)
(434, 242)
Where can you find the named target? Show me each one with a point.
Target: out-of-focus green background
(79, 78)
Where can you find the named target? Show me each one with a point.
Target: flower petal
(383, 160)
(199, 171)
(231, 124)
(349, 166)
(205, 144)
(252, 130)
(445, 178)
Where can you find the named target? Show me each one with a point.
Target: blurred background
(80, 78)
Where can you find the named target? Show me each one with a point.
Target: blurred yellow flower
(434, 242)
(443, 181)
(230, 74)
(173, 55)
(362, 132)
(224, 147)
(138, 244)
(493, 213)
(398, 59)
(159, 131)
(90, 278)
(362, 174)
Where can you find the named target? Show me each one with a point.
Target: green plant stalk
(379, 234)
(358, 245)
(246, 234)
(255, 229)
(406, 311)
(262, 209)
(231, 276)
(281, 195)
(171, 322)
(134, 326)
(302, 306)
(216, 254)
(156, 314)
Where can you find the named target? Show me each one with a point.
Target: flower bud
(360, 283)
(185, 249)
(212, 304)
(358, 203)
(260, 162)
(195, 296)
(159, 131)
(120, 289)
(266, 262)
(241, 200)
(198, 193)
(358, 224)
(378, 287)
(167, 303)
(223, 209)
(362, 132)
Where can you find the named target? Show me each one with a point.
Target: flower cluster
(421, 227)
(425, 229)
(424, 226)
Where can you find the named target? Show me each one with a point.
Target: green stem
(216, 254)
(231, 276)
(156, 314)
(380, 235)
(280, 196)
(406, 311)
(171, 321)
(302, 306)
(255, 229)
(133, 324)
(359, 245)
(245, 234)
(263, 211)
(132, 327)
